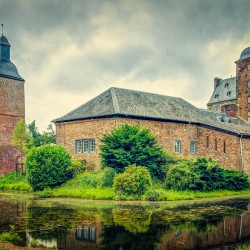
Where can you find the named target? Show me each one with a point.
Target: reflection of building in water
(85, 233)
(39, 242)
(87, 236)
(230, 230)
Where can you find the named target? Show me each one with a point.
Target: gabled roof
(142, 105)
(222, 90)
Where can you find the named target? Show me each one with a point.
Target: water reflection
(103, 225)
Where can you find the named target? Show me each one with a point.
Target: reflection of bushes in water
(49, 222)
(135, 219)
(199, 217)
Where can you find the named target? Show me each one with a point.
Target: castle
(12, 106)
(232, 95)
(221, 132)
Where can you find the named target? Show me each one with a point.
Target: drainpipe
(241, 155)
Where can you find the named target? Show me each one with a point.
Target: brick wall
(12, 109)
(166, 134)
(243, 75)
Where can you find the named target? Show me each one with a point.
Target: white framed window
(177, 146)
(84, 146)
(248, 99)
(248, 84)
(193, 147)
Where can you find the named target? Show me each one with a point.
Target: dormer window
(226, 85)
(216, 96)
(229, 93)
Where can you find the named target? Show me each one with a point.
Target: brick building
(12, 106)
(232, 95)
(178, 126)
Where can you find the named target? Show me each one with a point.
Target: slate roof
(245, 54)
(221, 92)
(7, 68)
(137, 104)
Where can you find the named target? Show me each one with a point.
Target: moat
(76, 224)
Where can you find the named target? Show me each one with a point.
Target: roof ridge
(115, 100)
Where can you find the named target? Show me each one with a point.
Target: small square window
(177, 147)
(193, 147)
(226, 84)
(216, 96)
(229, 93)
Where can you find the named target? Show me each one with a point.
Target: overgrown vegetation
(128, 145)
(47, 167)
(135, 180)
(204, 174)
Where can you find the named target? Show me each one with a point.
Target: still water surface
(73, 224)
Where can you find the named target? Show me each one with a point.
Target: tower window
(224, 147)
(229, 93)
(215, 145)
(248, 99)
(216, 96)
(226, 84)
(248, 116)
(207, 141)
(248, 84)
(248, 67)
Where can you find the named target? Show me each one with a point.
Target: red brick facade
(12, 109)
(243, 76)
(228, 153)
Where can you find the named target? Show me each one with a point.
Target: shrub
(181, 177)
(129, 145)
(106, 177)
(154, 195)
(236, 180)
(135, 180)
(47, 167)
(78, 166)
(212, 176)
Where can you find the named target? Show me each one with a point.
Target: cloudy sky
(70, 51)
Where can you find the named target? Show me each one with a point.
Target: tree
(38, 139)
(130, 144)
(20, 136)
(47, 166)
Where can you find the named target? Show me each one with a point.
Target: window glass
(78, 146)
(193, 147)
(248, 67)
(248, 99)
(248, 84)
(177, 147)
(91, 145)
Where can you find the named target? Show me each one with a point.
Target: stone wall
(243, 75)
(12, 109)
(228, 145)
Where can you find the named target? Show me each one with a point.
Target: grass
(13, 182)
(85, 186)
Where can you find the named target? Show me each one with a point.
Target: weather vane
(2, 29)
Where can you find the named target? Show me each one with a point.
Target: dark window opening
(215, 145)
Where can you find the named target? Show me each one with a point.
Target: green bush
(129, 145)
(78, 166)
(204, 174)
(181, 177)
(106, 177)
(212, 176)
(236, 180)
(154, 195)
(47, 167)
(135, 180)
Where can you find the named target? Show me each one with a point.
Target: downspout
(241, 155)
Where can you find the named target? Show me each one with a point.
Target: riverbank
(9, 246)
(78, 188)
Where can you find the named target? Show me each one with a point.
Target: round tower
(12, 106)
(243, 84)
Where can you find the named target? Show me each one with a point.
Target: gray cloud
(75, 49)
